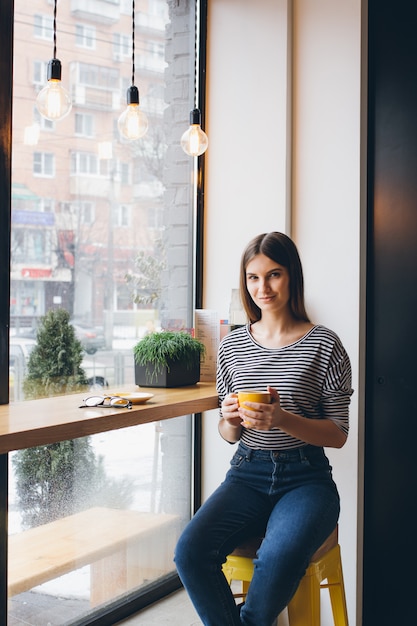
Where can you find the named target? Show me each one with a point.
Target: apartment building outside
(85, 202)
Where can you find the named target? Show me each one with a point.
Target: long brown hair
(281, 249)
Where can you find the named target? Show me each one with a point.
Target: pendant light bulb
(194, 141)
(53, 101)
(133, 122)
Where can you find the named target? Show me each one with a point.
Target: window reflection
(106, 236)
(83, 216)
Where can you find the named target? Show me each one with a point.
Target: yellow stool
(304, 608)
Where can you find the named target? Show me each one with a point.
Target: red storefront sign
(36, 272)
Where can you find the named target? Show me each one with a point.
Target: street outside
(105, 369)
(115, 366)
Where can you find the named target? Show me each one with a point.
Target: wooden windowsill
(39, 422)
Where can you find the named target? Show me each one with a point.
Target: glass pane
(115, 533)
(102, 230)
(101, 226)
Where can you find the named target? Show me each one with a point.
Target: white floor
(175, 610)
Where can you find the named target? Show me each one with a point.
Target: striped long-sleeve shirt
(312, 376)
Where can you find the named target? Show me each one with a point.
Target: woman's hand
(230, 425)
(230, 410)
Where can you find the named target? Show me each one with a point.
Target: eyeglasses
(111, 402)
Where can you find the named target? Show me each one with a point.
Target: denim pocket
(318, 463)
(317, 458)
(237, 459)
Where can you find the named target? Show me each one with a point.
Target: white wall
(246, 123)
(247, 190)
(326, 208)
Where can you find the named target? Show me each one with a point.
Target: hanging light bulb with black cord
(194, 141)
(133, 122)
(53, 101)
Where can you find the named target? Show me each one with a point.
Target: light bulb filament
(53, 100)
(194, 140)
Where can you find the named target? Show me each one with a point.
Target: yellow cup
(249, 395)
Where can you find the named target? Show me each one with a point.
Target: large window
(99, 223)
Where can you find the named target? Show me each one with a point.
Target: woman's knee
(189, 547)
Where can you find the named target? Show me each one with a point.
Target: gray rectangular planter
(179, 374)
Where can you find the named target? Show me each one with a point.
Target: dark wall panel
(6, 43)
(391, 382)
(6, 39)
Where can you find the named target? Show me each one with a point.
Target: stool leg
(337, 594)
(245, 587)
(304, 608)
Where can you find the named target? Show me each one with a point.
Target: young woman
(279, 483)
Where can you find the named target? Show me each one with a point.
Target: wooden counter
(38, 422)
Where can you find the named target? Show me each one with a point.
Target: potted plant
(168, 359)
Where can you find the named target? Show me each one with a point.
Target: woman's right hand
(230, 425)
(230, 411)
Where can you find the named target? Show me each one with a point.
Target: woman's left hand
(262, 416)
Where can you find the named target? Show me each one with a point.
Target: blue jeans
(287, 496)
